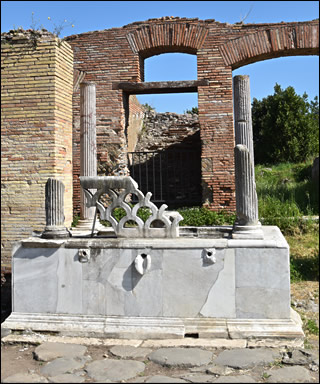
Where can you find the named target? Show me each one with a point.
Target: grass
(289, 198)
(286, 191)
(304, 255)
(312, 327)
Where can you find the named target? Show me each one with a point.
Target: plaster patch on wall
(221, 298)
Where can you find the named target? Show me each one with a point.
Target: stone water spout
(109, 185)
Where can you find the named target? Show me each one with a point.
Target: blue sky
(301, 72)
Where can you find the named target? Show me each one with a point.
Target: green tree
(285, 127)
(194, 110)
(148, 107)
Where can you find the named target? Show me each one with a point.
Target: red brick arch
(292, 40)
(152, 39)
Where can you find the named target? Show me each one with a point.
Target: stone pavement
(54, 359)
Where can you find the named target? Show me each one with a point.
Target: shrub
(200, 216)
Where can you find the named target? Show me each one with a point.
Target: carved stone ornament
(109, 185)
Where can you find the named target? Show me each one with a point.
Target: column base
(55, 232)
(247, 232)
(85, 225)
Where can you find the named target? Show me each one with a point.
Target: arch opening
(165, 157)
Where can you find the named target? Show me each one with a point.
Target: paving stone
(246, 358)
(138, 379)
(289, 375)
(235, 379)
(66, 378)
(60, 366)
(25, 378)
(198, 378)
(313, 355)
(164, 379)
(114, 370)
(185, 357)
(296, 358)
(50, 351)
(220, 370)
(126, 351)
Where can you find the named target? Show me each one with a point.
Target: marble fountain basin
(203, 283)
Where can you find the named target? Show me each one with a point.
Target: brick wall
(117, 55)
(36, 131)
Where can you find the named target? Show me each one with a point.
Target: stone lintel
(160, 86)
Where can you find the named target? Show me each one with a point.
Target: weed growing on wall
(56, 29)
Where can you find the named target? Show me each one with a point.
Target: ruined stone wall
(36, 131)
(162, 130)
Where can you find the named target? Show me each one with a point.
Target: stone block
(262, 283)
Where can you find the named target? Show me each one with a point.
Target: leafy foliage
(75, 221)
(201, 216)
(147, 107)
(193, 110)
(285, 127)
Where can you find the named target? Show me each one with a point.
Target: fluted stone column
(242, 113)
(246, 202)
(54, 206)
(247, 223)
(88, 148)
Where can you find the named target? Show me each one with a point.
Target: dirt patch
(305, 300)
(18, 358)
